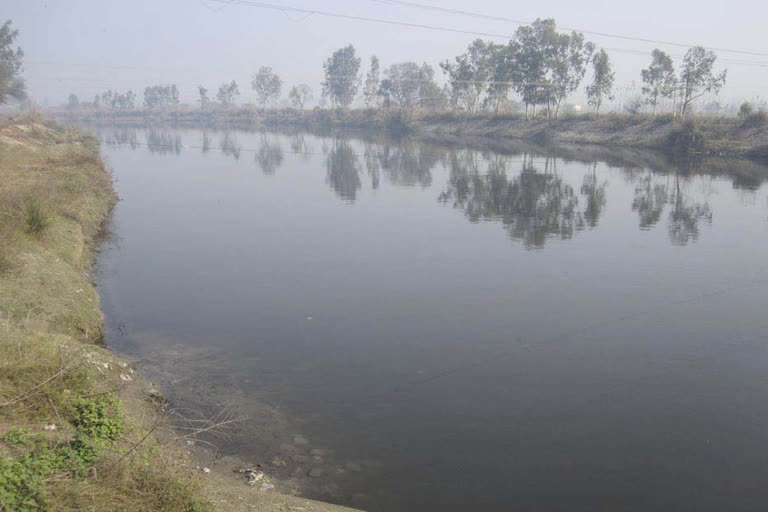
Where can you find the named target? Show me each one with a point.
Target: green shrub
(745, 110)
(16, 435)
(687, 138)
(20, 487)
(398, 123)
(544, 136)
(756, 119)
(100, 418)
(22, 479)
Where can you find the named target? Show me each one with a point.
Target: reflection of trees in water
(372, 165)
(163, 141)
(408, 163)
(532, 206)
(650, 199)
(596, 197)
(230, 146)
(684, 216)
(343, 170)
(300, 146)
(206, 143)
(269, 157)
(120, 137)
(654, 193)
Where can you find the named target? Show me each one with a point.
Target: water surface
(452, 328)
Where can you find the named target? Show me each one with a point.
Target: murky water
(431, 327)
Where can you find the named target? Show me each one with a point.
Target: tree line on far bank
(540, 67)
(537, 70)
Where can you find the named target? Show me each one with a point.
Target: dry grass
(55, 195)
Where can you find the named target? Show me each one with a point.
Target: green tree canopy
(267, 85)
(371, 88)
(697, 77)
(227, 93)
(602, 80)
(11, 83)
(341, 76)
(658, 79)
(300, 95)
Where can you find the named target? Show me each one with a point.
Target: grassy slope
(54, 197)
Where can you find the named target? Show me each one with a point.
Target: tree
(400, 87)
(204, 100)
(267, 85)
(697, 77)
(408, 85)
(73, 102)
(659, 78)
(158, 96)
(227, 93)
(341, 76)
(107, 99)
(11, 65)
(602, 81)
(530, 53)
(468, 75)
(300, 95)
(460, 73)
(431, 95)
(567, 65)
(371, 89)
(116, 99)
(501, 63)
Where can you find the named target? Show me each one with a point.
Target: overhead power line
(592, 32)
(286, 8)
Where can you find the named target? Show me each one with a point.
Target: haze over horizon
(86, 47)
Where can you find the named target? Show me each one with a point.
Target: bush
(687, 138)
(99, 418)
(634, 106)
(755, 119)
(745, 110)
(23, 478)
(545, 137)
(398, 123)
(21, 486)
(16, 435)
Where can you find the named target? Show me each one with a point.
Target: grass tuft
(37, 216)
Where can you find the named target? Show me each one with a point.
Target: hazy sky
(87, 46)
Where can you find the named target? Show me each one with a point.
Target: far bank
(694, 135)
